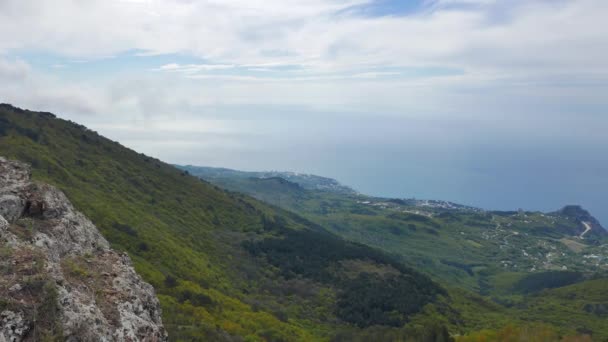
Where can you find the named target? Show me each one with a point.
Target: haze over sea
(502, 169)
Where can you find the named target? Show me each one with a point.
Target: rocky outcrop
(59, 278)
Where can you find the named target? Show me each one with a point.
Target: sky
(494, 103)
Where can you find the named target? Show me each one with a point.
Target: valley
(452, 241)
(507, 257)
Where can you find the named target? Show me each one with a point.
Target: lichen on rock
(59, 278)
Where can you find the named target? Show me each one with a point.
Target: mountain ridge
(307, 181)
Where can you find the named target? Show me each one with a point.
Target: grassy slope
(186, 238)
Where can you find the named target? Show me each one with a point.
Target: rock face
(59, 279)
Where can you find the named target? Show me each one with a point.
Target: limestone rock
(61, 275)
(12, 326)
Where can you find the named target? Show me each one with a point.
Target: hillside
(224, 266)
(507, 257)
(459, 244)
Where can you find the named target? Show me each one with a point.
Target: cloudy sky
(496, 103)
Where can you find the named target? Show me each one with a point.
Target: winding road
(587, 229)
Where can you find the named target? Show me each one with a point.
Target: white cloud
(322, 55)
(170, 67)
(21, 84)
(194, 68)
(12, 71)
(521, 36)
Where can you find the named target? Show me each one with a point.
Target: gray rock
(3, 223)
(13, 326)
(11, 207)
(64, 250)
(15, 288)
